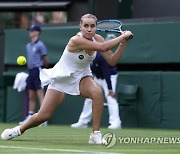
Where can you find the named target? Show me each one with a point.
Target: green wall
(152, 43)
(157, 101)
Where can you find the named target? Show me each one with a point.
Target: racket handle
(131, 36)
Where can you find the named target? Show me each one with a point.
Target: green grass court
(63, 139)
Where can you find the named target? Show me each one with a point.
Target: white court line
(58, 150)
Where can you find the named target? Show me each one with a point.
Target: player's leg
(86, 113)
(52, 99)
(90, 89)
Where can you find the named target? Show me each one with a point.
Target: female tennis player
(72, 75)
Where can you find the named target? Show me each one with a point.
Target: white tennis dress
(68, 72)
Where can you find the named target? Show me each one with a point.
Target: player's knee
(97, 94)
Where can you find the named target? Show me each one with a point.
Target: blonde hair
(88, 16)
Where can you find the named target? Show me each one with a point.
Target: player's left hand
(127, 34)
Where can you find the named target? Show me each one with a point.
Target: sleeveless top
(68, 71)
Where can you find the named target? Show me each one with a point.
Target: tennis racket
(110, 26)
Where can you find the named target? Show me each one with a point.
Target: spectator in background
(106, 76)
(24, 21)
(39, 17)
(36, 59)
(58, 17)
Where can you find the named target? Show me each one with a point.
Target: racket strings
(108, 25)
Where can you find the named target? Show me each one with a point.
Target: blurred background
(149, 78)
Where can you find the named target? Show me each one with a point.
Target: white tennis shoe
(96, 138)
(114, 127)
(79, 125)
(9, 134)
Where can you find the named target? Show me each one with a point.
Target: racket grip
(131, 36)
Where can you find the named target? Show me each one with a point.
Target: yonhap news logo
(111, 140)
(149, 140)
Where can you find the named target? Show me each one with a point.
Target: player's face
(88, 28)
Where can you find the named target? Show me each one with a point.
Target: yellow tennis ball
(21, 60)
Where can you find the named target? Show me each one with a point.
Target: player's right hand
(128, 34)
